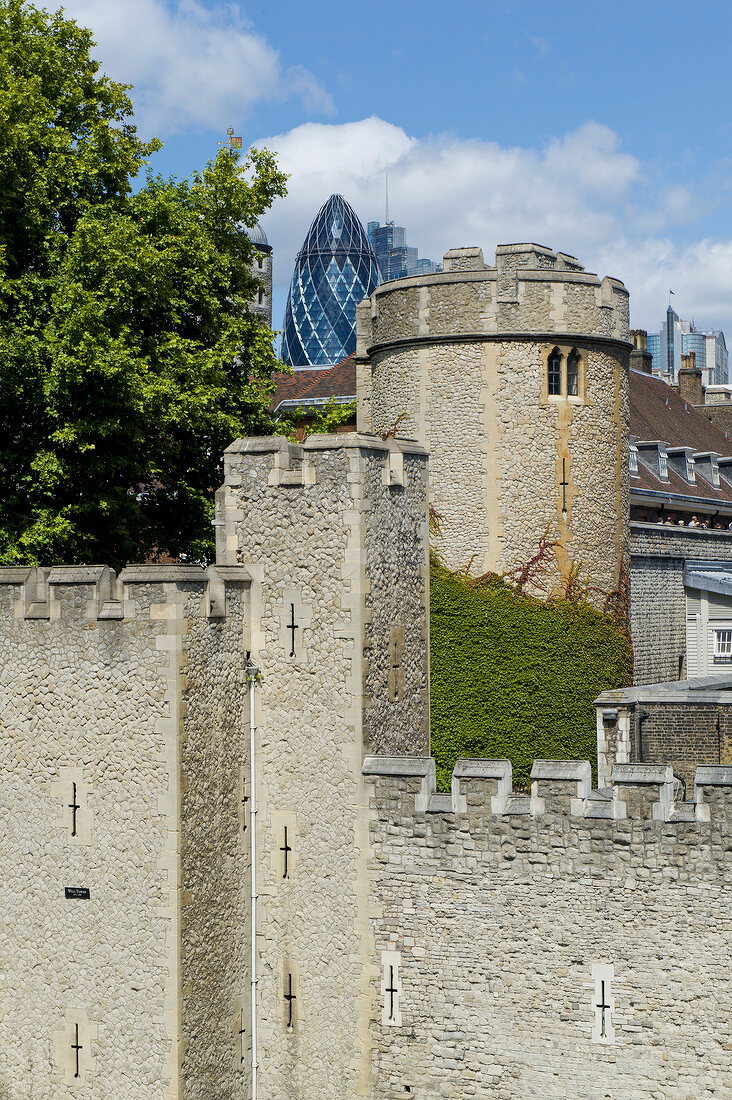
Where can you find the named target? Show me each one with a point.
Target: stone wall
(215, 865)
(459, 360)
(683, 724)
(657, 594)
(94, 728)
(505, 922)
(263, 273)
(335, 532)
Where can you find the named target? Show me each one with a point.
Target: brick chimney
(640, 357)
(690, 380)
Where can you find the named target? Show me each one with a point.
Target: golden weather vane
(234, 143)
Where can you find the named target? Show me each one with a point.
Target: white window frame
(662, 464)
(722, 650)
(633, 458)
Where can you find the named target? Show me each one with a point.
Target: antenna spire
(386, 191)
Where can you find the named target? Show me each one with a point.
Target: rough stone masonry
(477, 944)
(461, 360)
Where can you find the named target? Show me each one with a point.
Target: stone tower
(127, 782)
(262, 271)
(336, 531)
(515, 378)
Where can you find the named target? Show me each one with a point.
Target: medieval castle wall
(98, 720)
(480, 944)
(460, 360)
(562, 942)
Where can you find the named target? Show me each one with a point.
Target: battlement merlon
(531, 291)
(336, 530)
(274, 463)
(49, 593)
(483, 789)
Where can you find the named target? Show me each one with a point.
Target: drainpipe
(640, 717)
(252, 677)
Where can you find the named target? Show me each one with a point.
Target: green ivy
(516, 677)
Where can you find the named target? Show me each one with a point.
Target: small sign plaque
(77, 892)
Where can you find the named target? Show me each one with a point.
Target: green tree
(130, 359)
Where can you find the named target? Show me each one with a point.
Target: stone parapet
(96, 592)
(550, 943)
(531, 290)
(636, 792)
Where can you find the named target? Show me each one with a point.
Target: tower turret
(515, 378)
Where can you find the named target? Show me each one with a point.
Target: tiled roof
(676, 485)
(657, 412)
(303, 386)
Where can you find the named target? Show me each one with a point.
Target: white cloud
(580, 193)
(192, 67)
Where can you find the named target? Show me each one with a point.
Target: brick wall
(685, 735)
(720, 415)
(657, 597)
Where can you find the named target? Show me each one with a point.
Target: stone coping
(525, 336)
(702, 689)
(267, 444)
(562, 785)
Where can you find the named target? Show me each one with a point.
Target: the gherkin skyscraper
(335, 269)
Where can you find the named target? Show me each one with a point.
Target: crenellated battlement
(531, 289)
(461, 361)
(96, 592)
(483, 788)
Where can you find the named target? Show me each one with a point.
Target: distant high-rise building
(335, 270)
(397, 259)
(677, 338)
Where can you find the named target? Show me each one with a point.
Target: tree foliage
(130, 359)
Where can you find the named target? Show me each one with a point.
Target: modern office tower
(677, 338)
(397, 259)
(335, 270)
(711, 353)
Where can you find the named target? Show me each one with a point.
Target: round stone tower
(262, 271)
(515, 377)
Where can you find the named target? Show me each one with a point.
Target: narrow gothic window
(260, 296)
(554, 372)
(573, 361)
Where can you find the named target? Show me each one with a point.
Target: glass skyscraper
(335, 270)
(397, 259)
(677, 338)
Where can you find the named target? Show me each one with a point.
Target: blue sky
(598, 129)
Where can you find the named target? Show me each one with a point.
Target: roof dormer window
(633, 458)
(690, 471)
(662, 464)
(707, 463)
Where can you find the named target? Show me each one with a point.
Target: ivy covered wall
(516, 677)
